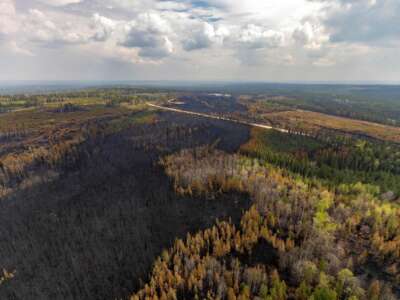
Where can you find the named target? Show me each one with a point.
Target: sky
(246, 40)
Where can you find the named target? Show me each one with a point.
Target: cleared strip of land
(216, 117)
(309, 121)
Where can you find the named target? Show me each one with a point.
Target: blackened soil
(94, 233)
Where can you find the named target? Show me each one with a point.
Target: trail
(216, 117)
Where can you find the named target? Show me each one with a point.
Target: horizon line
(217, 81)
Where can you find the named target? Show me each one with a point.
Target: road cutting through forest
(216, 117)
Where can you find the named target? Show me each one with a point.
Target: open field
(312, 121)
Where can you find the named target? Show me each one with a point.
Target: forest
(105, 197)
(297, 241)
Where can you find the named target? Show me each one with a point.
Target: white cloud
(324, 62)
(39, 27)
(8, 16)
(256, 37)
(59, 2)
(15, 48)
(311, 35)
(130, 5)
(205, 35)
(171, 5)
(229, 33)
(374, 22)
(104, 27)
(150, 34)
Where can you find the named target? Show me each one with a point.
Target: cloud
(172, 5)
(9, 26)
(17, 49)
(374, 22)
(324, 62)
(149, 33)
(104, 27)
(60, 2)
(39, 27)
(310, 34)
(255, 37)
(205, 35)
(231, 34)
(8, 18)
